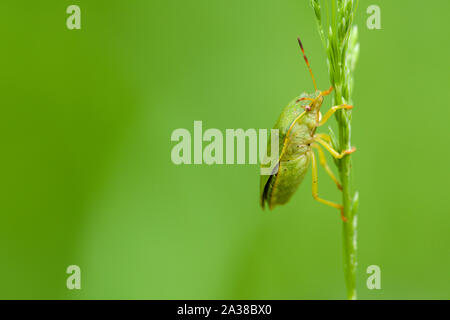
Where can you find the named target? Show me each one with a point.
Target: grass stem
(341, 43)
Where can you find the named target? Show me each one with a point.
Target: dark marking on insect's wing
(266, 186)
(264, 193)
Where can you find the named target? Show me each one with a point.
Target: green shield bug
(297, 126)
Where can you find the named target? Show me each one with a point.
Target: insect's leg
(305, 98)
(323, 163)
(327, 92)
(330, 149)
(323, 136)
(315, 189)
(332, 111)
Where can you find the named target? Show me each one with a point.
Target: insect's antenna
(307, 63)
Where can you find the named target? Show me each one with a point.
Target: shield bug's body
(297, 126)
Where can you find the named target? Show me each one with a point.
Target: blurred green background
(87, 179)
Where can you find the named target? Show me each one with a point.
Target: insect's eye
(308, 108)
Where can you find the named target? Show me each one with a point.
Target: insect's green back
(294, 146)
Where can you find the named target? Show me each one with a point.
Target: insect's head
(311, 102)
(315, 105)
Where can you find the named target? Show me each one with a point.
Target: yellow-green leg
(315, 188)
(324, 164)
(323, 136)
(332, 111)
(319, 138)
